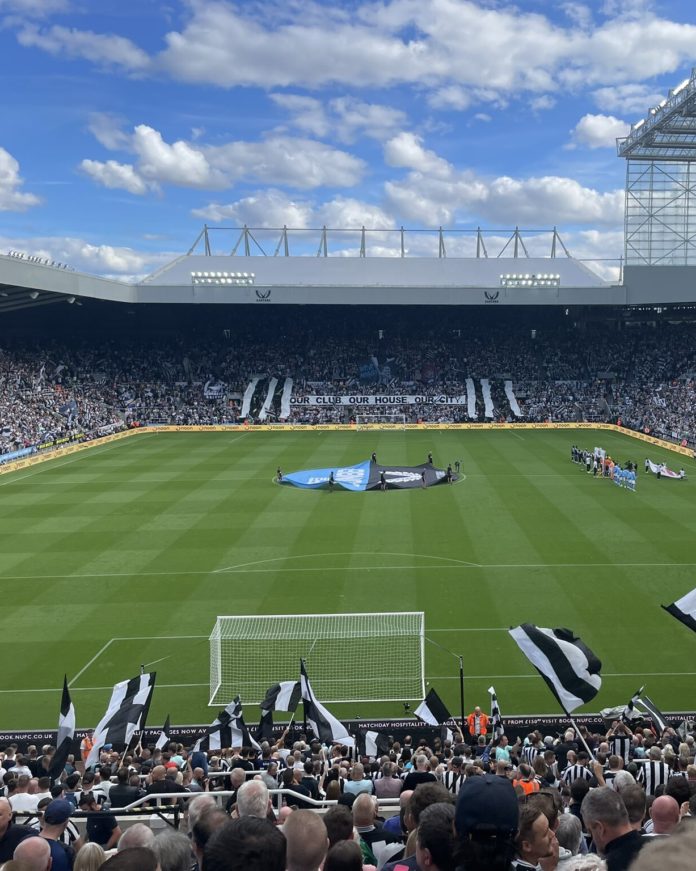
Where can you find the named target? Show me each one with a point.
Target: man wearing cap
(55, 820)
(486, 821)
(10, 834)
(102, 826)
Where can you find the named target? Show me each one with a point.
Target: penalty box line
(108, 644)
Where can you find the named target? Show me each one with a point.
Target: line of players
(602, 466)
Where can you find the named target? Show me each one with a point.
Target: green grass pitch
(108, 560)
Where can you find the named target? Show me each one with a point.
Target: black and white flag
(227, 730)
(126, 715)
(66, 733)
(496, 719)
(631, 712)
(658, 718)
(323, 723)
(283, 696)
(570, 669)
(372, 743)
(164, 736)
(684, 609)
(432, 710)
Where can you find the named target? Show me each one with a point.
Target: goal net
(369, 421)
(349, 657)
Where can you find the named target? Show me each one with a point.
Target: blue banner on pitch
(347, 477)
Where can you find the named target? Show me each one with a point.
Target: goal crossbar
(352, 657)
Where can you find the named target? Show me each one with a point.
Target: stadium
(229, 466)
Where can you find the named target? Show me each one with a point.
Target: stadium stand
(644, 378)
(500, 823)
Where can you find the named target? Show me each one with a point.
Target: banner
(368, 476)
(378, 400)
(663, 471)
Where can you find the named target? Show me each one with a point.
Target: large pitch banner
(367, 476)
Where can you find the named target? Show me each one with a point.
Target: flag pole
(580, 735)
(461, 692)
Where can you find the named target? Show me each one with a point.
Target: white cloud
(541, 104)
(119, 262)
(179, 163)
(34, 8)
(343, 118)
(406, 150)
(434, 192)
(285, 160)
(11, 198)
(274, 208)
(455, 50)
(483, 116)
(103, 49)
(114, 175)
(269, 208)
(108, 130)
(599, 131)
(627, 98)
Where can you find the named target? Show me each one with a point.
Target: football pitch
(124, 554)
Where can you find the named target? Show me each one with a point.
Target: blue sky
(127, 125)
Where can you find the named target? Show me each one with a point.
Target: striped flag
(630, 712)
(372, 743)
(227, 730)
(324, 725)
(125, 715)
(658, 718)
(66, 733)
(164, 735)
(684, 609)
(432, 710)
(283, 696)
(496, 719)
(570, 669)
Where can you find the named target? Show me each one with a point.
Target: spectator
(10, 834)
(33, 854)
(307, 841)
(102, 827)
(606, 819)
(664, 812)
(90, 858)
(253, 800)
(435, 838)
(344, 856)
(173, 849)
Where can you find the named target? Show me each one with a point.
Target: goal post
(350, 657)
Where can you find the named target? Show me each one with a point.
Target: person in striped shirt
(578, 770)
(654, 772)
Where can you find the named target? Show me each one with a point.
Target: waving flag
(684, 609)
(66, 733)
(126, 715)
(324, 725)
(569, 667)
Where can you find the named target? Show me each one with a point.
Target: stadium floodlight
(71, 300)
(351, 657)
(34, 294)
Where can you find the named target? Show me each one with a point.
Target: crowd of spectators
(644, 378)
(616, 799)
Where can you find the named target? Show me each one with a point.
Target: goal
(371, 421)
(349, 657)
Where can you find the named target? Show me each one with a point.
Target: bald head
(364, 810)
(307, 841)
(158, 772)
(664, 813)
(34, 854)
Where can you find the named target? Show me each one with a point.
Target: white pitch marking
(242, 571)
(347, 553)
(93, 659)
(169, 686)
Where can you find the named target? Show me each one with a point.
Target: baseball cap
(58, 811)
(486, 803)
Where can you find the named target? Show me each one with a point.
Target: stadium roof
(668, 131)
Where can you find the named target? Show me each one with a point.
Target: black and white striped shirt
(653, 774)
(620, 745)
(530, 753)
(453, 781)
(575, 772)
